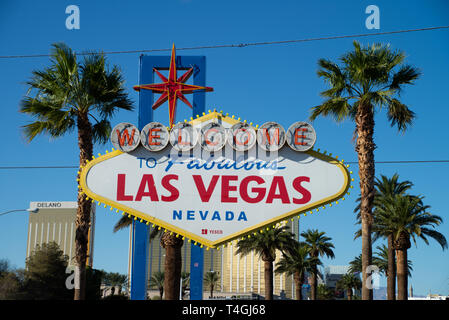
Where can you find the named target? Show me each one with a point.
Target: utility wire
(242, 45)
(346, 162)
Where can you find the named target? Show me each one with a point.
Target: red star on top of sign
(173, 88)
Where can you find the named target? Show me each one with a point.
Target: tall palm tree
(297, 261)
(68, 95)
(157, 280)
(318, 245)
(348, 282)
(173, 259)
(265, 243)
(211, 279)
(385, 189)
(370, 77)
(406, 217)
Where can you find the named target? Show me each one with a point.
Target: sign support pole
(140, 232)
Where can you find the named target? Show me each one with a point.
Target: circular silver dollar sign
(125, 137)
(271, 136)
(183, 136)
(213, 137)
(241, 136)
(154, 136)
(301, 136)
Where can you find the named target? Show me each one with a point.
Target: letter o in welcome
(242, 136)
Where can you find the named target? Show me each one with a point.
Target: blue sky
(259, 83)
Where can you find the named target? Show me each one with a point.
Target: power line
(347, 162)
(242, 45)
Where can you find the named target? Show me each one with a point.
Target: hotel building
(55, 221)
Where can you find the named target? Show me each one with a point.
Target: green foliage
(157, 281)
(373, 75)
(45, 274)
(349, 281)
(10, 281)
(356, 264)
(318, 244)
(407, 215)
(67, 89)
(211, 279)
(385, 189)
(325, 293)
(380, 259)
(297, 260)
(266, 243)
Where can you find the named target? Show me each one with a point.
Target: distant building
(331, 276)
(55, 221)
(334, 273)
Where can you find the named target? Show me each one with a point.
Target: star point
(172, 88)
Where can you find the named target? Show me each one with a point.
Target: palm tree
(297, 261)
(385, 189)
(157, 280)
(370, 77)
(355, 266)
(211, 280)
(318, 245)
(406, 217)
(348, 282)
(115, 279)
(265, 243)
(173, 259)
(67, 95)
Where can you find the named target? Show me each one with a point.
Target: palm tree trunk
(313, 280)
(402, 274)
(391, 273)
(173, 265)
(313, 284)
(365, 150)
(402, 244)
(299, 281)
(349, 294)
(82, 223)
(268, 277)
(212, 291)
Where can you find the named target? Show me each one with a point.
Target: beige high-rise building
(55, 221)
(239, 275)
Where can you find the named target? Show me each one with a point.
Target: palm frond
(400, 115)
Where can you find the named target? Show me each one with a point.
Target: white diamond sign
(214, 197)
